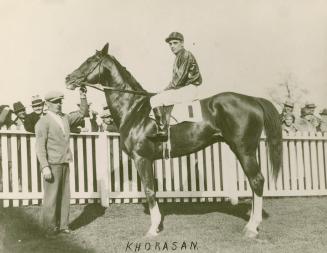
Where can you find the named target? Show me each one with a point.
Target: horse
(239, 118)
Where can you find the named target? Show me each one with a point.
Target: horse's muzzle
(71, 83)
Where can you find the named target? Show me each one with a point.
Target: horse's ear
(105, 49)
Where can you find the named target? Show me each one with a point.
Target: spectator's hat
(305, 111)
(36, 101)
(289, 103)
(323, 112)
(18, 107)
(175, 36)
(105, 113)
(53, 96)
(310, 105)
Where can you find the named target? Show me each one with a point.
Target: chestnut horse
(239, 118)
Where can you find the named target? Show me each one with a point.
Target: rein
(103, 88)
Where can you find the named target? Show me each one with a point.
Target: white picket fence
(101, 171)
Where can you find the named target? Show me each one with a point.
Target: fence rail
(101, 171)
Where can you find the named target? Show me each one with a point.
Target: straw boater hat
(310, 105)
(36, 101)
(289, 103)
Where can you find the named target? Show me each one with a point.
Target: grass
(289, 225)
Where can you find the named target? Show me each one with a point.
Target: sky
(244, 46)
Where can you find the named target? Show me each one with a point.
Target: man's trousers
(56, 199)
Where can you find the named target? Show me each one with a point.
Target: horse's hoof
(248, 233)
(151, 234)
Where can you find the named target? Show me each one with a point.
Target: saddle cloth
(188, 111)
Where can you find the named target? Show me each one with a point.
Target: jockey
(182, 88)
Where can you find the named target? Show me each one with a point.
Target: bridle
(103, 88)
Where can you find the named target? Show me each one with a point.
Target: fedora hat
(18, 106)
(175, 36)
(36, 100)
(323, 112)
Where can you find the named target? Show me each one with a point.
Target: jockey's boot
(162, 124)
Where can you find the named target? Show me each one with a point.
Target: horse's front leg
(145, 170)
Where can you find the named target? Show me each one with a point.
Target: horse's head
(89, 72)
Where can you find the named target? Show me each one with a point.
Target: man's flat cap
(175, 36)
(52, 96)
(289, 103)
(310, 105)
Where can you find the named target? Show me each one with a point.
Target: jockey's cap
(175, 36)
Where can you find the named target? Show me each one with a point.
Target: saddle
(189, 111)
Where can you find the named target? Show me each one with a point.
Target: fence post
(102, 163)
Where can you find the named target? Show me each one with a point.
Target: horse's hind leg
(144, 168)
(252, 171)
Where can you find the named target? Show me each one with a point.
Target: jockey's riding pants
(175, 96)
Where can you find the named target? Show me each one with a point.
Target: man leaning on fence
(53, 151)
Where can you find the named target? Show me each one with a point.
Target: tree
(287, 90)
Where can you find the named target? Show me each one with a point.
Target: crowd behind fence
(102, 171)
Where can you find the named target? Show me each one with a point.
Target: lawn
(289, 225)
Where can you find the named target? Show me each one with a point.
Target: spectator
(288, 108)
(32, 118)
(288, 123)
(108, 124)
(304, 124)
(54, 154)
(20, 111)
(88, 123)
(313, 119)
(5, 116)
(323, 122)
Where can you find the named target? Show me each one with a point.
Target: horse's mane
(127, 75)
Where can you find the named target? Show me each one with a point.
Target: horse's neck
(122, 105)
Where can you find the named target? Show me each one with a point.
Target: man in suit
(32, 118)
(108, 124)
(20, 112)
(54, 154)
(288, 108)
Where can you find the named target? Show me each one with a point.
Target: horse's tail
(273, 131)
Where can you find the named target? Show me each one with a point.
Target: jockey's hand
(82, 91)
(46, 172)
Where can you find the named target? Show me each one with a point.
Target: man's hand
(82, 91)
(47, 173)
